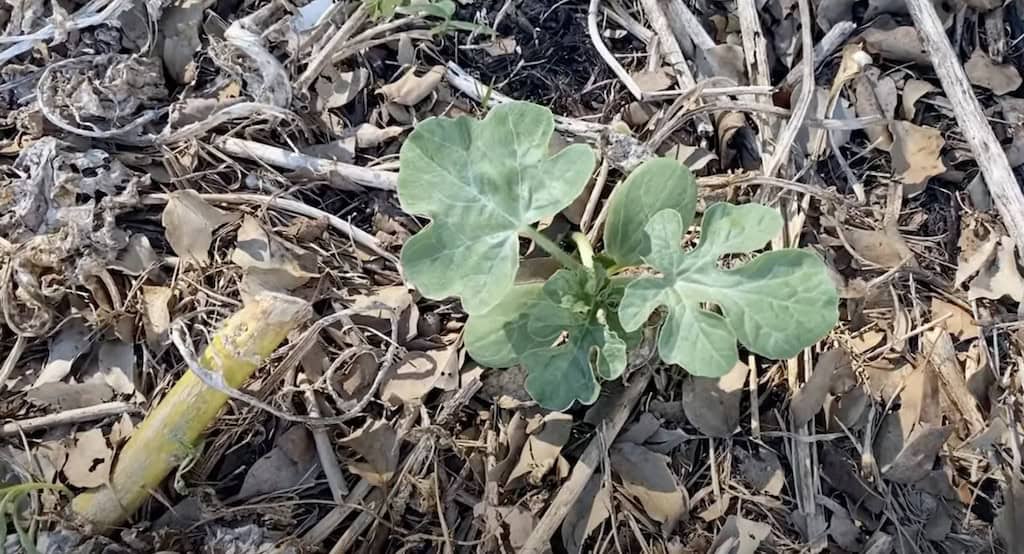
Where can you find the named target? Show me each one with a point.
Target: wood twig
(67, 417)
(988, 153)
(796, 120)
(570, 491)
(358, 236)
(606, 55)
(279, 157)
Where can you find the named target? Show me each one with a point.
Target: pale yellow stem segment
(170, 432)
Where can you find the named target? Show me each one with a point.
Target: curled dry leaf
(377, 442)
(999, 275)
(410, 89)
(88, 463)
(115, 366)
(915, 460)
(811, 397)
(542, 450)
(982, 71)
(1009, 523)
(739, 536)
(71, 341)
(189, 223)
(654, 80)
(761, 469)
(586, 514)
(713, 405)
(340, 89)
(421, 372)
(156, 316)
(65, 396)
(290, 463)
(916, 154)
(913, 90)
(876, 96)
(898, 44)
(271, 264)
(646, 477)
(179, 26)
(397, 300)
(137, 258)
(955, 319)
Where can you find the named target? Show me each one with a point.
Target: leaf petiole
(550, 247)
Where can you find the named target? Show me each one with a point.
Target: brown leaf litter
(166, 163)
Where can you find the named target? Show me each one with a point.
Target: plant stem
(585, 249)
(550, 247)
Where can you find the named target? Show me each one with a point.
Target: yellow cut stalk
(170, 432)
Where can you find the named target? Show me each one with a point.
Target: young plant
(484, 183)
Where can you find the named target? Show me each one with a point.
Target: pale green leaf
(562, 332)
(775, 305)
(656, 185)
(482, 182)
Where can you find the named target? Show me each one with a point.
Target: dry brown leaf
(371, 136)
(115, 366)
(65, 396)
(501, 46)
(88, 463)
(875, 95)
(973, 257)
(377, 443)
(850, 409)
(761, 469)
(915, 459)
(693, 157)
(586, 514)
(740, 536)
(809, 399)
(71, 341)
(271, 264)
(713, 405)
(290, 463)
(156, 316)
(189, 223)
(885, 248)
(137, 258)
(1000, 276)
(398, 300)
(913, 90)
(410, 90)
(1009, 523)
(916, 154)
(179, 28)
(543, 448)
(337, 90)
(985, 73)
(646, 477)
(958, 321)
(514, 439)
(898, 44)
(655, 80)
(421, 372)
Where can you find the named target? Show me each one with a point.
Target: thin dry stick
(756, 49)
(686, 25)
(788, 135)
(570, 491)
(595, 198)
(606, 55)
(279, 157)
(77, 415)
(833, 39)
(323, 57)
(324, 443)
(1002, 183)
(360, 237)
(12, 360)
(478, 91)
(323, 528)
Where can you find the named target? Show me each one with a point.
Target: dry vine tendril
(484, 183)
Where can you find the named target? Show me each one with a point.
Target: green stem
(550, 247)
(585, 249)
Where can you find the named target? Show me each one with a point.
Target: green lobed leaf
(574, 309)
(656, 185)
(775, 305)
(482, 182)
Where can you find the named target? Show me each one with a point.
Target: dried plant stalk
(169, 433)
